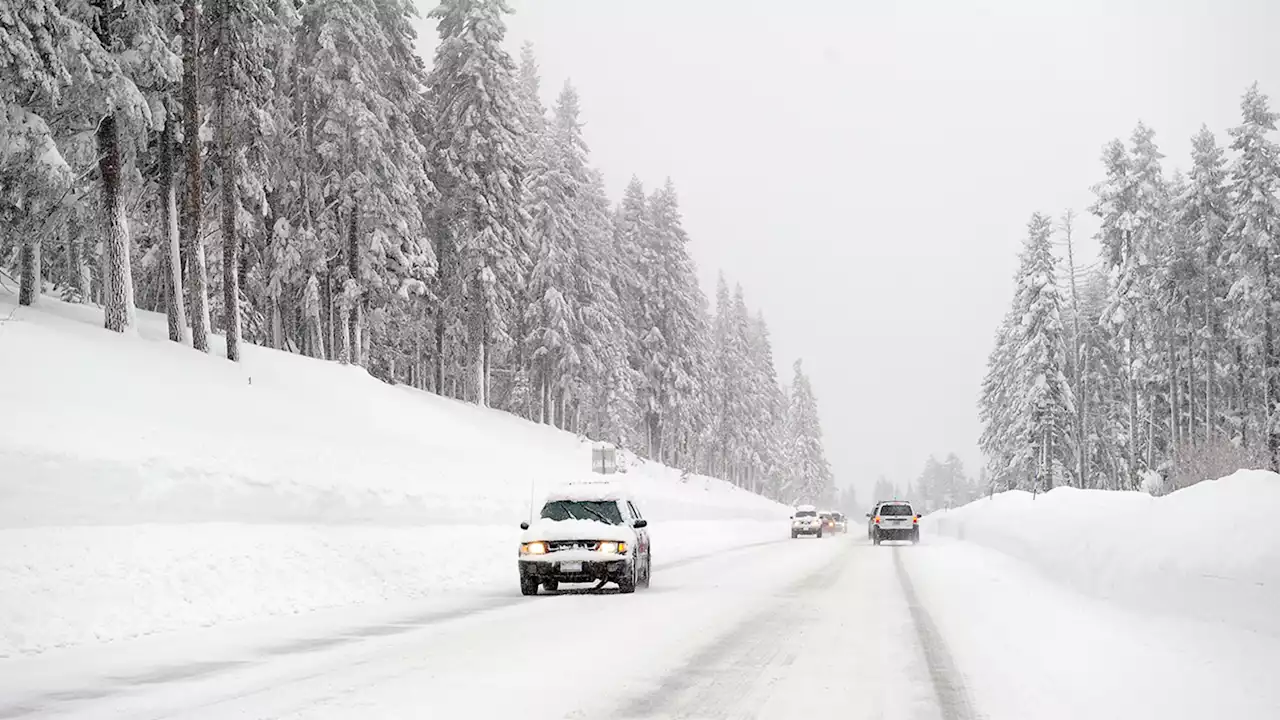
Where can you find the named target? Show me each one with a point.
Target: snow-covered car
(895, 521)
(587, 532)
(839, 523)
(805, 521)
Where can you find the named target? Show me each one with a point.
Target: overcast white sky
(866, 169)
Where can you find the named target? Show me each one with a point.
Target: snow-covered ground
(145, 487)
(1210, 551)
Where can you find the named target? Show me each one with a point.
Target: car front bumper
(591, 570)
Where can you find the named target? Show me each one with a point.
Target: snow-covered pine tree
(675, 314)
(811, 478)
(1027, 404)
(997, 406)
(1203, 214)
(479, 168)
(766, 411)
(1116, 210)
(557, 285)
(1253, 241)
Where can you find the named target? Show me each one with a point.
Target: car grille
(558, 545)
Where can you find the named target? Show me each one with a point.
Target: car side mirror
(640, 524)
(524, 526)
(918, 517)
(868, 514)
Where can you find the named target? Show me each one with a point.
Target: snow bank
(147, 487)
(1211, 550)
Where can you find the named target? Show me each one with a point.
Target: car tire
(875, 537)
(915, 536)
(648, 570)
(528, 585)
(819, 534)
(551, 585)
(794, 534)
(627, 583)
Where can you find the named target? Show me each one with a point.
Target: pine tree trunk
(277, 323)
(479, 379)
(1243, 402)
(118, 278)
(353, 275)
(177, 310)
(30, 280)
(1133, 417)
(77, 271)
(192, 242)
(439, 358)
(1271, 366)
(226, 166)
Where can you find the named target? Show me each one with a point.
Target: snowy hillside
(1210, 551)
(145, 487)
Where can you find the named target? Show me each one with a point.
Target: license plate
(570, 567)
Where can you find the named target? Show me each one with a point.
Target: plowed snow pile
(1211, 551)
(147, 487)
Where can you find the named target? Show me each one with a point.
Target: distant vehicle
(895, 520)
(841, 523)
(587, 532)
(828, 521)
(805, 521)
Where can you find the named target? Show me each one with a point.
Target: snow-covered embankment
(1210, 551)
(145, 487)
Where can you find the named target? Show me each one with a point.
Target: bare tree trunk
(193, 205)
(175, 306)
(1270, 367)
(31, 279)
(353, 281)
(77, 271)
(439, 358)
(118, 278)
(1133, 417)
(226, 163)
(326, 313)
(1081, 358)
(1243, 390)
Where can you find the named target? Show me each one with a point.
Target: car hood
(544, 529)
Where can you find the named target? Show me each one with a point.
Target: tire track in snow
(722, 673)
(948, 683)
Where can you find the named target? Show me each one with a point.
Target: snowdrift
(1211, 551)
(147, 487)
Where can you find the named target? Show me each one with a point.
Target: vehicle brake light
(915, 521)
(877, 519)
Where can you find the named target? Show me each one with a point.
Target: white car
(587, 532)
(895, 520)
(805, 521)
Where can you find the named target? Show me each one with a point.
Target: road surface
(832, 628)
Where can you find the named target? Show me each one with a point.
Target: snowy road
(810, 628)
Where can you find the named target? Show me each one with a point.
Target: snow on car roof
(807, 507)
(588, 491)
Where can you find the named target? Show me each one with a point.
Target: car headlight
(613, 548)
(534, 548)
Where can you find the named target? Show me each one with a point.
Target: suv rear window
(806, 513)
(605, 511)
(896, 510)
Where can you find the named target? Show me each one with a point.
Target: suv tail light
(877, 519)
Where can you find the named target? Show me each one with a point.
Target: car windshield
(806, 513)
(896, 510)
(605, 511)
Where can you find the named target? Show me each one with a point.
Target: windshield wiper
(603, 518)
